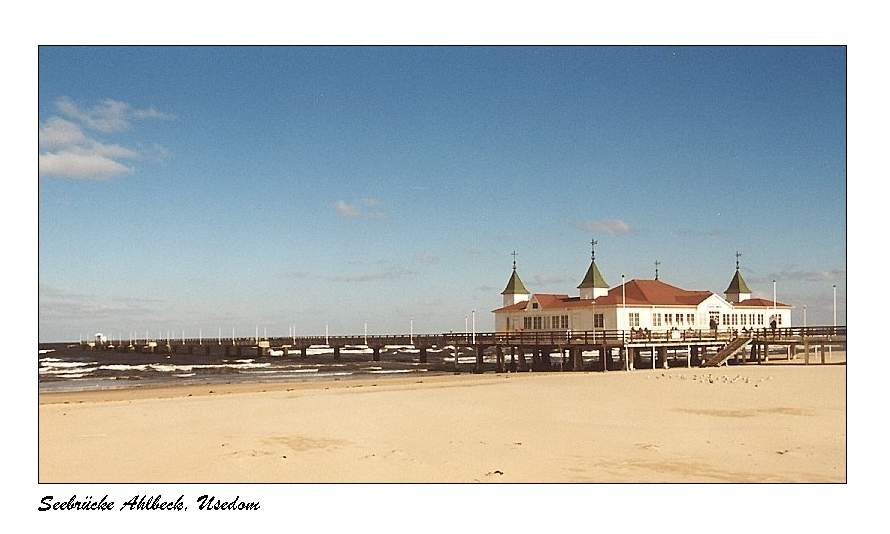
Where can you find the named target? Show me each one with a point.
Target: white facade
(548, 312)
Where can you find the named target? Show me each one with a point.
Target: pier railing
(517, 338)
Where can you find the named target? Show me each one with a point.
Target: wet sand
(753, 423)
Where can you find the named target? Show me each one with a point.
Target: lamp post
(474, 327)
(623, 301)
(834, 308)
(623, 314)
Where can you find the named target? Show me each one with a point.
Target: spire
(514, 285)
(737, 285)
(593, 285)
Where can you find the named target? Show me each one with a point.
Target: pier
(606, 350)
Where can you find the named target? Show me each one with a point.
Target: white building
(639, 304)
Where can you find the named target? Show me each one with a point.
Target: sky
(212, 188)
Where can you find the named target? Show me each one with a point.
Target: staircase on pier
(731, 349)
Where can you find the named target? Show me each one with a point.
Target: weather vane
(657, 263)
(593, 244)
(514, 259)
(737, 256)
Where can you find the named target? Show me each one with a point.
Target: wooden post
(523, 365)
(806, 352)
(605, 356)
(499, 354)
(336, 353)
(480, 361)
(823, 353)
(304, 352)
(663, 356)
(512, 359)
(422, 354)
(577, 359)
(376, 353)
(689, 356)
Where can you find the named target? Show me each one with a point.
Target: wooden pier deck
(614, 349)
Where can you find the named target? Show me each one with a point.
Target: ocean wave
(59, 363)
(283, 371)
(123, 367)
(64, 371)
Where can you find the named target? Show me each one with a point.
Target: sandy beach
(753, 423)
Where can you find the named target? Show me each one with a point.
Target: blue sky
(186, 188)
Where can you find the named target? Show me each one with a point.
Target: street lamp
(474, 327)
(834, 311)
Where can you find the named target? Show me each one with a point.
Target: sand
(753, 423)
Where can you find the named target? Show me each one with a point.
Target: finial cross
(514, 259)
(657, 263)
(737, 256)
(593, 244)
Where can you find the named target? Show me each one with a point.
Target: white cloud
(107, 116)
(58, 133)
(610, 226)
(354, 210)
(91, 166)
(345, 209)
(66, 151)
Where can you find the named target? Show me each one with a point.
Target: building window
(744, 319)
(760, 318)
(656, 319)
(536, 323)
(668, 319)
(679, 318)
(565, 322)
(690, 319)
(735, 319)
(725, 318)
(598, 320)
(546, 322)
(751, 319)
(633, 319)
(527, 323)
(779, 319)
(534, 305)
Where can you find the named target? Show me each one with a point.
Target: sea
(67, 367)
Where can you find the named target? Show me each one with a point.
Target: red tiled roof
(653, 292)
(637, 293)
(760, 303)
